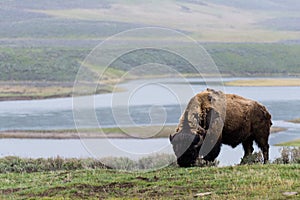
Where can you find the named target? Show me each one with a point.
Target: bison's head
(186, 146)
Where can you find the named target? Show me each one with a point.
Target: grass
(239, 182)
(295, 143)
(264, 82)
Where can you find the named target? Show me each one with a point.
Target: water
(37, 148)
(144, 103)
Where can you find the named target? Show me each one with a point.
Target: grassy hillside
(240, 182)
(61, 64)
(45, 42)
(42, 72)
(40, 64)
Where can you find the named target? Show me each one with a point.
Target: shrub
(19, 165)
(146, 163)
(289, 155)
(202, 163)
(254, 158)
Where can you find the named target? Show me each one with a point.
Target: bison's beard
(188, 159)
(186, 146)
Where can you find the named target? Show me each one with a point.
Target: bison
(213, 118)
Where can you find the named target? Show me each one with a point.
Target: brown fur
(215, 118)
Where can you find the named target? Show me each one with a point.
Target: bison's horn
(171, 137)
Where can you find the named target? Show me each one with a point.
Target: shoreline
(110, 133)
(26, 90)
(265, 82)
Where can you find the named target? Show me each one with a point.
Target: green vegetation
(10, 164)
(40, 64)
(289, 155)
(89, 178)
(240, 182)
(28, 165)
(20, 165)
(256, 59)
(295, 143)
(62, 64)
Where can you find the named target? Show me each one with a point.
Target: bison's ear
(209, 98)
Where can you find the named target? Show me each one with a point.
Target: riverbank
(296, 121)
(29, 90)
(270, 181)
(12, 91)
(124, 132)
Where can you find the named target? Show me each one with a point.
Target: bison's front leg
(248, 147)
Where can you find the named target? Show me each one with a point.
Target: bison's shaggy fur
(213, 118)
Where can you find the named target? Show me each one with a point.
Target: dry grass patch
(43, 90)
(297, 121)
(264, 82)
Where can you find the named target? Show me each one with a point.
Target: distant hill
(267, 5)
(214, 20)
(48, 40)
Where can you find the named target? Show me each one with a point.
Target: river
(143, 103)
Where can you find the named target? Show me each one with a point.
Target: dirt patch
(154, 179)
(84, 190)
(9, 191)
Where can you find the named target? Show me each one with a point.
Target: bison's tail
(266, 114)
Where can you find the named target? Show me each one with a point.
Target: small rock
(290, 193)
(202, 194)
